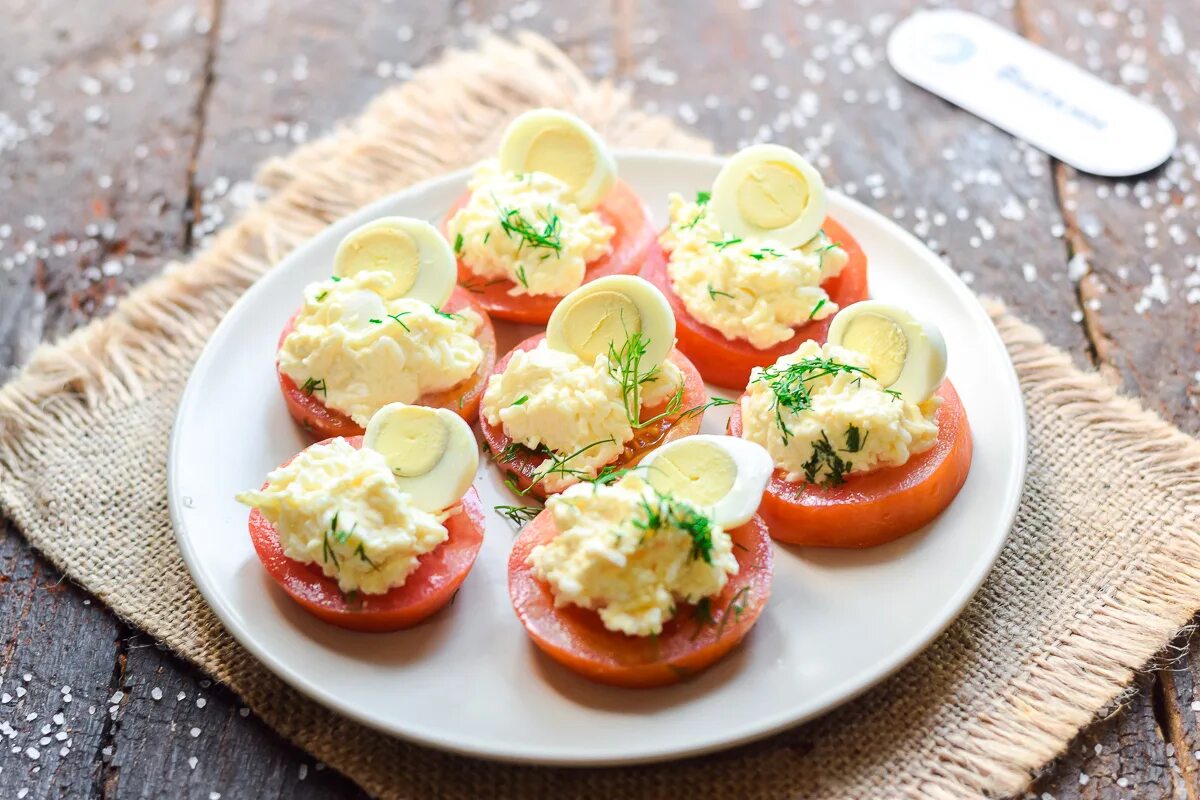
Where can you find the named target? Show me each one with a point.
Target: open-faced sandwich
(389, 326)
(374, 532)
(600, 389)
(868, 438)
(649, 578)
(755, 267)
(546, 217)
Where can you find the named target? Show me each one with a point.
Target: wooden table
(129, 132)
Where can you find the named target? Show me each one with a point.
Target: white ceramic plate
(469, 680)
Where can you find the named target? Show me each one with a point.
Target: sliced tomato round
(433, 584)
(727, 362)
(520, 463)
(874, 507)
(323, 422)
(696, 637)
(634, 238)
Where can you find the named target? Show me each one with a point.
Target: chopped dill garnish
(314, 385)
(507, 454)
(764, 252)
(823, 250)
(518, 515)
(322, 295)
(446, 314)
(702, 613)
(558, 466)
(820, 304)
(895, 394)
(362, 554)
(712, 293)
(702, 198)
(376, 321)
(721, 245)
(625, 367)
(398, 321)
(520, 401)
(790, 385)
(855, 439)
(824, 455)
(513, 222)
(521, 276)
(476, 287)
(666, 511)
(335, 279)
(458, 243)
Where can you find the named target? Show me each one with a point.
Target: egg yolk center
(564, 153)
(599, 320)
(413, 441)
(882, 341)
(697, 472)
(381, 248)
(773, 195)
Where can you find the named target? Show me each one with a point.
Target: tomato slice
(322, 422)
(633, 240)
(874, 507)
(727, 362)
(576, 638)
(427, 590)
(521, 464)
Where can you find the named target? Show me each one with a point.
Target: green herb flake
(791, 385)
(314, 385)
(820, 304)
(702, 198)
(520, 401)
(721, 245)
(458, 244)
(713, 293)
(322, 296)
(518, 515)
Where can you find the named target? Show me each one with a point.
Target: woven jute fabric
(1101, 568)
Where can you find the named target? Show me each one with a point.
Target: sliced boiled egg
(608, 312)
(415, 252)
(562, 145)
(906, 354)
(723, 475)
(768, 191)
(431, 451)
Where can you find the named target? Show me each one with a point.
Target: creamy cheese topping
(338, 507)
(548, 398)
(524, 228)
(359, 351)
(850, 424)
(754, 290)
(631, 554)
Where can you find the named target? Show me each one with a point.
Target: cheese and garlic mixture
(631, 554)
(821, 416)
(549, 398)
(338, 507)
(753, 290)
(359, 351)
(525, 229)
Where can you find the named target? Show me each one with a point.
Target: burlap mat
(1101, 569)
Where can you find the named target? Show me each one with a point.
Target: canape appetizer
(374, 532)
(389, 326)
(544, 218)
(651, 578)
(601, 388)
(869, 440)
(755, 267)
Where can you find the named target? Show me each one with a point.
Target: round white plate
(469, 680)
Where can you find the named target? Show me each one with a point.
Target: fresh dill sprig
(558, 466)
(362, 554)
(895, 394)
(702, 612)
(446, 314)
(820, 304)
(314, 385)
(398, 321)
(759, 255)
(518, 515)
(665, 511)
(790, 385)
(825, 456)
(721, 245)
(549, 237)
(507, 454)
(625, 367)
(712, 293)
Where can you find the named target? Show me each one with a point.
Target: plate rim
(783, 721)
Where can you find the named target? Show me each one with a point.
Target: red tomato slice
(874, 507)
(634, 238)
(576, 638)
(727, 362)
(521, 465)
(427, 590)
(323, 422)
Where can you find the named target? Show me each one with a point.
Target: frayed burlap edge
(421, 129)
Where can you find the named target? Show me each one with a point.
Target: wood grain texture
(160, 110)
